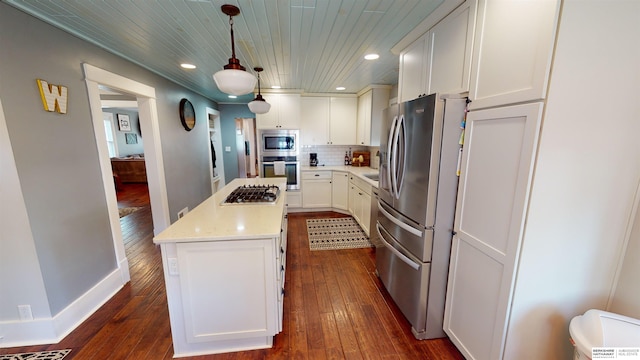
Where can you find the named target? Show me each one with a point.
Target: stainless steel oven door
(291, 172)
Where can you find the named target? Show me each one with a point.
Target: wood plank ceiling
(306, 45)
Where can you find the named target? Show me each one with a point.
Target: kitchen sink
(373, 177)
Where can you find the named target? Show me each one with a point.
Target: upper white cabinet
(329, 120)
(342, 124)
(451, 47)
(314, 126)
(284, 112)
(414, 62)
(440, 60)
(512, 51)
(370, 106)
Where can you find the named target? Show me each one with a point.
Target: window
(109, 131)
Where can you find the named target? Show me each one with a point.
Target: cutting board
(365, 155)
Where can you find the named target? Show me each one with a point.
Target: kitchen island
(224, 267)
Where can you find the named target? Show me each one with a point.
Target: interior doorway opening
(216, 165)
(246, 145)
(154, 167)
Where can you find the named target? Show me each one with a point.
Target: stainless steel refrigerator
(418, 185)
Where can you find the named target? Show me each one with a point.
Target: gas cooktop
(253, 194)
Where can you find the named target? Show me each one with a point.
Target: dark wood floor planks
(335, 307)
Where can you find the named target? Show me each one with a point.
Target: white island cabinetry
(224, 271)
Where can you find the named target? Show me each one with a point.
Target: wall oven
(278, 156)
(281, 166)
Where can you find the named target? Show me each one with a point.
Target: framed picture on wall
(123, 122)
(131, 138)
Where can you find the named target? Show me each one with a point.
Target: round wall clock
(187, 115)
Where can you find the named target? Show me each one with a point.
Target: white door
(497, 168)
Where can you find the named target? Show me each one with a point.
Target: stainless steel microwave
(274, 142)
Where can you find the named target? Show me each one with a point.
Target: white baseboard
(53, 330)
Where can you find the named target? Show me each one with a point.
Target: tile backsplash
(331, 155)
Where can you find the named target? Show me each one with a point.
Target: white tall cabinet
(548, 175)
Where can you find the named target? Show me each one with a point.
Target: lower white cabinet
(340, 190)
(360, 202)
(316, 189)
(294, 199)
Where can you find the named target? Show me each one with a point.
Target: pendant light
(234, 79)
(259, 105)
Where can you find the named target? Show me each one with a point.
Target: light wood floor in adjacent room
(335, 307)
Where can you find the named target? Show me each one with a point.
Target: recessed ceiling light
(371, 56)
(188, 66)
(232, 97)
(340, 88)
(276, 87)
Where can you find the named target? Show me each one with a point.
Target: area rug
(40, 355)
(126, 211)
(336, 234)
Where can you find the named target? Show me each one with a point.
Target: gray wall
(228, 115)
(57, 159)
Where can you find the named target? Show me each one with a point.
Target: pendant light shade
(234, 80)
(259, 105)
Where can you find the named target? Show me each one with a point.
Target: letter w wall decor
(54, 97)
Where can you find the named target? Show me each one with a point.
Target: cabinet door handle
(317, 175)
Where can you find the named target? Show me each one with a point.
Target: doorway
(246, 146)
(146, 103)
(216, 168)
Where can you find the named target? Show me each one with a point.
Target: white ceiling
(307, 45)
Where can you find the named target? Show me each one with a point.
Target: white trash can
(597, 328)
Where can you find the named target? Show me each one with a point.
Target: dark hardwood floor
(335, 306)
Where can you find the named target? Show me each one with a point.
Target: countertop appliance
(417, 195)
(248, 194)
(313, 159)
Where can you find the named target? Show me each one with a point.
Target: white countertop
(355, 170)
(211, 221)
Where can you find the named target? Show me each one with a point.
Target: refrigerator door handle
(402, 225)
(391, 156)
(395, 251)
(401, 149)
